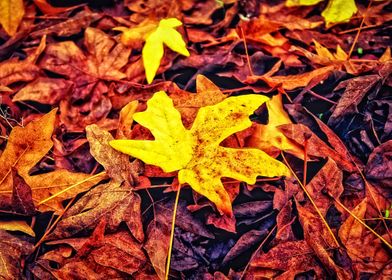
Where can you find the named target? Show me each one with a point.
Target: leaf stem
(173, 225)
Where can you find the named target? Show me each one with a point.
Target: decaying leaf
(12, 249)
(21, 226)
(196, 152)
(114, 202)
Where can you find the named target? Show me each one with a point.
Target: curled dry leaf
(291, 82)
(379, 166)
(196, 152)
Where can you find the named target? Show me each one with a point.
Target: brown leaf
(320, 240)
(116, 164)
(12, 71)
(355, 91)
(12, 251)
(22, 200)
(70, 26)
(315, 146)
(291, 258)
(325, 184)
(111, 201)
(291, 82)
(44, 90)
(365, 250)
(379, 165)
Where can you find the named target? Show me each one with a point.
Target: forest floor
(263, 131)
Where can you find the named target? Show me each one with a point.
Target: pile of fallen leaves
(211, 139)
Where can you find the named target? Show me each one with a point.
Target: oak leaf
(196, 152)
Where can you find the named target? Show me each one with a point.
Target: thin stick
(173, 225)
(246, 52)
(359, 30)
(311, 200)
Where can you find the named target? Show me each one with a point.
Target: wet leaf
(200, 159)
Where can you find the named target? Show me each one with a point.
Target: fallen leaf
(365, 250)
(15, 225)
(12, 252)
(44, 90)
(300, 134)
(196, 152)
(11, 14)
(291, 82)
(339, 11)
(115, 202)
(320, 240)
(326, 185)
(291, 258)
(116, 164)
(22, 200)
(26, 147)
(268, 137)
(48, 9)
(379, 165)
(17, 71)
(126, 119)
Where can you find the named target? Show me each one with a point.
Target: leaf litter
(195, 139)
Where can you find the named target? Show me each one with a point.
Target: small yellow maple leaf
(155, 37)
(196, 152)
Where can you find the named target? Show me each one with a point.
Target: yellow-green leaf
(11, 14)
(196, 153)
(339, 11)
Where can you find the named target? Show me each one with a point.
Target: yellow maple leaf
(336, 11)
(155, 36)
(196, 152)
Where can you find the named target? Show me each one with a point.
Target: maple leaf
(335, 12)
(26, 147)
(196, 152)
(11, 14)
(155, 36)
